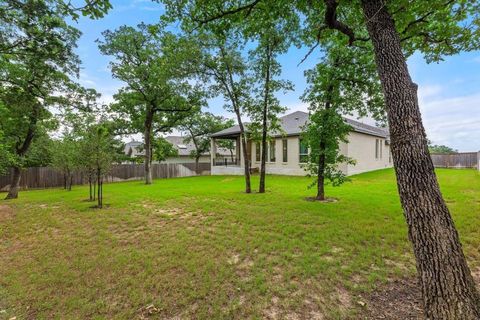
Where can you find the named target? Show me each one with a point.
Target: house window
(303, 152)
(285, 150)
(257, 151)
(272, 150)
(378, 149)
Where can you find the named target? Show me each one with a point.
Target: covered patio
(226, 165)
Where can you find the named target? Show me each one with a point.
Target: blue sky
(449, 92)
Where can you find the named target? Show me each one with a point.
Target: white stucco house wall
(368, 145)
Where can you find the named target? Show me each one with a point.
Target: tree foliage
(156, 67)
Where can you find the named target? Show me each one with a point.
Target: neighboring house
(133, 149)
(368, 145)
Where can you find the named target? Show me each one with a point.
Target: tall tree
(198, 129)
(154, 64)
(37, 62)
(264, 113)
(395, 29)
(343, 83)
(224, 64)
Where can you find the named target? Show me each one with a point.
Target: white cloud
(427, 91)
(453, 121)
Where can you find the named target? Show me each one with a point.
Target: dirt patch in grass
(327, 200)
(398, 299)
(6, 213)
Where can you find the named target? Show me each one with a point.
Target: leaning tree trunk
(15, 184)
(246, 160)
(148, 147)
(447, 285)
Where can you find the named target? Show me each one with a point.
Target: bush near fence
(47, 177)
(456, 160)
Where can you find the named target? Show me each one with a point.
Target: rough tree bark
(14, 184)
(148, 147)
(447, 285)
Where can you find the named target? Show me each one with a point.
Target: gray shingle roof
(292, 124)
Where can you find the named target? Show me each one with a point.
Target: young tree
(66, 158)
(154, 64)
(101, 150)
(37, 60)
(264, 113)
(344, 82)
(395, 29)
(198, 129)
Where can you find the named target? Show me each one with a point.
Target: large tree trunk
(447, 285)
(148, 147)
(197, 160)
(21, 151)
(15, 184)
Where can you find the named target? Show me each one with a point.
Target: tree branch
(249, 7)
(333, 23)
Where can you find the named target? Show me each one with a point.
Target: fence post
(478, 160)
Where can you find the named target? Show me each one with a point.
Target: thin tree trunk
(99, 190)
(15, 184)
(94, 189)
(246, 160)
(261, 188)
(447, 285)
(323, 146)
(148, 147)
(90, 186)
(321, 173)
(231, 155)
(65, 180)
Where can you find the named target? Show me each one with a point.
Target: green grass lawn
(200, 248)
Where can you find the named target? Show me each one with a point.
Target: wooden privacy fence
(47, 177)
(456, 160)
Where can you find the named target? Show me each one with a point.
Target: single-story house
(368, 145)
